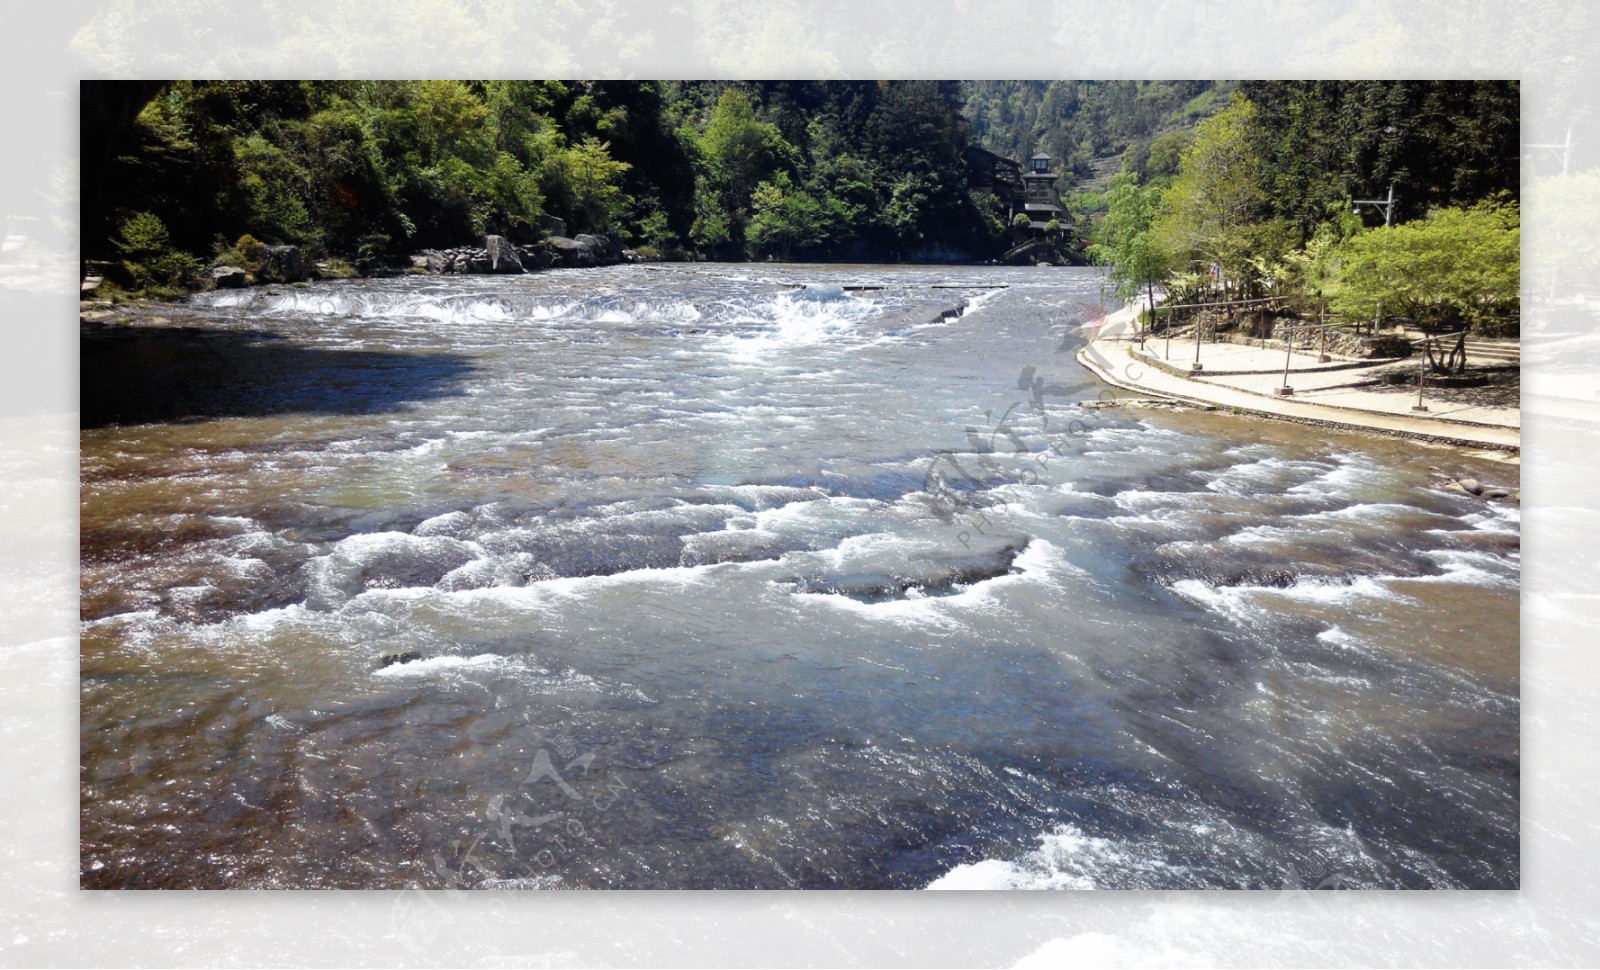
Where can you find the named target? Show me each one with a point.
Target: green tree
(741, 150)
(583, 184)
(1458, 266)
(148, 256)
(786, 219)
(1128, 241)
(1215, 212)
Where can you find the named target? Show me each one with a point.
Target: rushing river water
(728, 576)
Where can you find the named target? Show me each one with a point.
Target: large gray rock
(228, 277)
(571, 252)
(282, 264)
(596, 244)
(536, 257)
(502, 255)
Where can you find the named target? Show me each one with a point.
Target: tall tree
(1215, 212)
(1127, 239)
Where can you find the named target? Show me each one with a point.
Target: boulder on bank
(229, 277)
(572, 252)
(502, 256)
(282, 264)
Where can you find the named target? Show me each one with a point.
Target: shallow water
(733, 576)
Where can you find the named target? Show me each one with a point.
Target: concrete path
(1321, 396)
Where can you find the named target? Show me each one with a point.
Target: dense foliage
(1263, 201)
(1082, 122)
(1455, 267)
(1246, 188)
(369, 171)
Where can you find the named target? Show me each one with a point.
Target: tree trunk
(1150, 292)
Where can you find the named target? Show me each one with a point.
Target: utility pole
(1562, 151)
(1288, 353)
(1422, 382)
(1386, 204)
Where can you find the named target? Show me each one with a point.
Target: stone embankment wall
(1271, 331)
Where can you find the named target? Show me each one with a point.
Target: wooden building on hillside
(1042, 201)
(1032, 192)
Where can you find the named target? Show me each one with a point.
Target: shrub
(247, 253)
(148, 257)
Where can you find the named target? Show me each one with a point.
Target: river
(761, 576)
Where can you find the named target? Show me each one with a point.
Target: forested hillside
(1079, 122)
(1250, 185)
(368, 171)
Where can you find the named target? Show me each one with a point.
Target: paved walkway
(1244, 377)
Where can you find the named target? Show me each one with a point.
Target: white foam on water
(426, 307)
(1497, 519)
(1471, 568)
(1145, 501)
(450, 524)
(224, 298)
(120, 619)
(521, 882)
(874, 550)
(548, 594)
(811, 513)
(1248, 477)
(269, 620)
(434, 666)
(1318, 589)
(345, 571)
(1033, 566)
(1360, 512)
(979, 300)
(1066, 858)
(687, 515)
(805, 318)
(1248, 604)
(1339, 637)
(1350, 472)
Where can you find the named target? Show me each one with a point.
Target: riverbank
(1347, 395)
